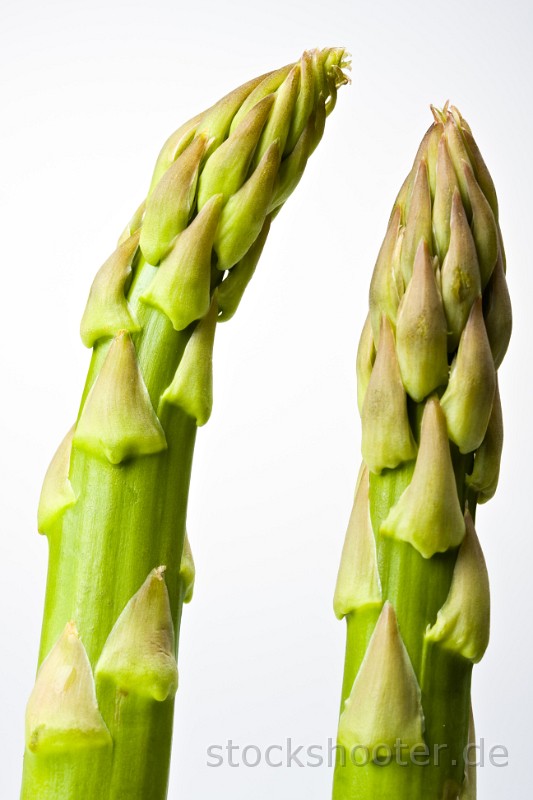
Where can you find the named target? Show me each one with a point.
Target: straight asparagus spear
(413, 583)
(114, 500)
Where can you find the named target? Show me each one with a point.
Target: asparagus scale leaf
(412, 583)
(114, 500)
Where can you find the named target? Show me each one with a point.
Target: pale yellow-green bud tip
(107, 310)
(385, 701)
(418, 224)
(386, 286)
(118, 420)
(192, 386)
(138, 655)
(181, 287)
(358, 583)
(463, 622)
(467, 401)
(169, 206)
(428, 513)
(62, 712)
(387, 440)
(187, 573)
(366, 355)
(461, 280)
(421, 333)
(486, 471)
(57, 493)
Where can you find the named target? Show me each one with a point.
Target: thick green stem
(131, 521)
(413, 583)
(114, 500)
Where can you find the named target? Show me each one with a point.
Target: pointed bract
(174, 146)
(138, 655)
(304, 102)
(402, 198)
(358, 582)
(418, 224)
(460, 277)
(432, 152)
(320, 124)
(107, 310)
(187, 571)
(427, 150)
(386, 286)
(57, 493)
(467, 401)
(215, 123)
(498, 313)
(232, 288)
(226, 169)
(481, 172)
(484, 476)
(463, 622)
(292, 167)
(385, 701)
(446, 184)
(244, 214)
(459, 157)
(192, 386)
(133, 225)
(118, 420)
(428, 514)
(269, 84)
(421, 333)
(484, 227)
(279, 121)
(169, 206)
(62, 712)
(366, 355)
(181, 287)
(386, 438)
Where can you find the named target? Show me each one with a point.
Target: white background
(89, 93)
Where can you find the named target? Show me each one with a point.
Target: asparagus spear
(412, 582)
(113, 504)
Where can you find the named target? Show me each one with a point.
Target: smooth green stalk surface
(412, 583)
(114, 500)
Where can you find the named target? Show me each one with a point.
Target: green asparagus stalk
(114, 500)
(412, 582)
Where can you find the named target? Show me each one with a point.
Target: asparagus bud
(428, 513)
(418, 223)
(57, 493)
(139, 652)
(484, 477)
(387, 438)
(115, 497)
(385, 702)
(192, 385)
(366, 355)
(421, 330)
(461, 279)
(467, 401)
(62, 712)
(361, 587)
(462, 624)
(107, 309)
(181, 288)
(118, 421)
(431, 443)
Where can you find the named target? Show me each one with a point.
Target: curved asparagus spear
(412, 583)
(114, 500)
